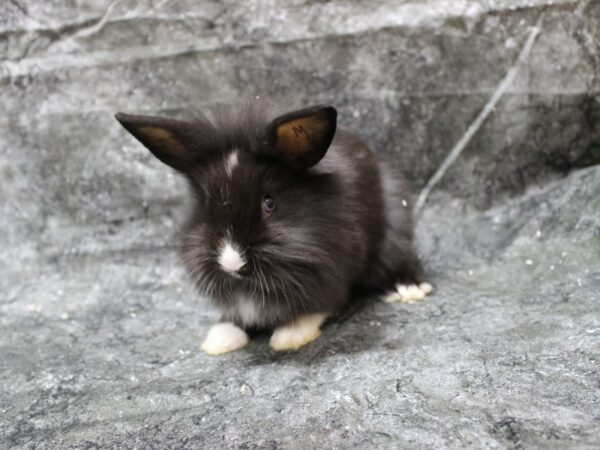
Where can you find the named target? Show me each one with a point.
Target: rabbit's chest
(249, 312)
(245, 310)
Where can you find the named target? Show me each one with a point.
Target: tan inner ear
(294, 137)
(163, 138)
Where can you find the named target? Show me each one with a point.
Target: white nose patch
(230, 258)
(231, 162)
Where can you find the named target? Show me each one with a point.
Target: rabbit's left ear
(301, 138)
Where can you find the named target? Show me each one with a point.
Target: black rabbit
(290, 215)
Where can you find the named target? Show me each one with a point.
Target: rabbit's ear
(301, 138)
(175, 142)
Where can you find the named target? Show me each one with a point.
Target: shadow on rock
(348, 333)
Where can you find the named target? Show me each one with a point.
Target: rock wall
(99, 330)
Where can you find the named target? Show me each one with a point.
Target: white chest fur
(245, 311)
(248, 311)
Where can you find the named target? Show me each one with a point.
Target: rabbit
(290, 216)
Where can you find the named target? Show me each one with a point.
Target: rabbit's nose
(230, 258)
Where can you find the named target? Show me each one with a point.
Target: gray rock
(99, 328)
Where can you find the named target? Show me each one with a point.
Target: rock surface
(99, 329)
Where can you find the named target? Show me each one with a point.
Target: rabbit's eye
(268, 204)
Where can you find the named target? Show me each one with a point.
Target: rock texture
(99, 329)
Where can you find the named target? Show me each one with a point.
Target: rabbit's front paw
(302, 331)
(224, 337)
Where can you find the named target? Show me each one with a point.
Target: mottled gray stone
(100, 330)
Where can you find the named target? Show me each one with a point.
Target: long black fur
(343, 224)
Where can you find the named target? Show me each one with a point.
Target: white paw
(426, 287)
(298, 333)
(408, 293)
(224, 337)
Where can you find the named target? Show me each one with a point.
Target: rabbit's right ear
(175, 142)
(301, 138)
